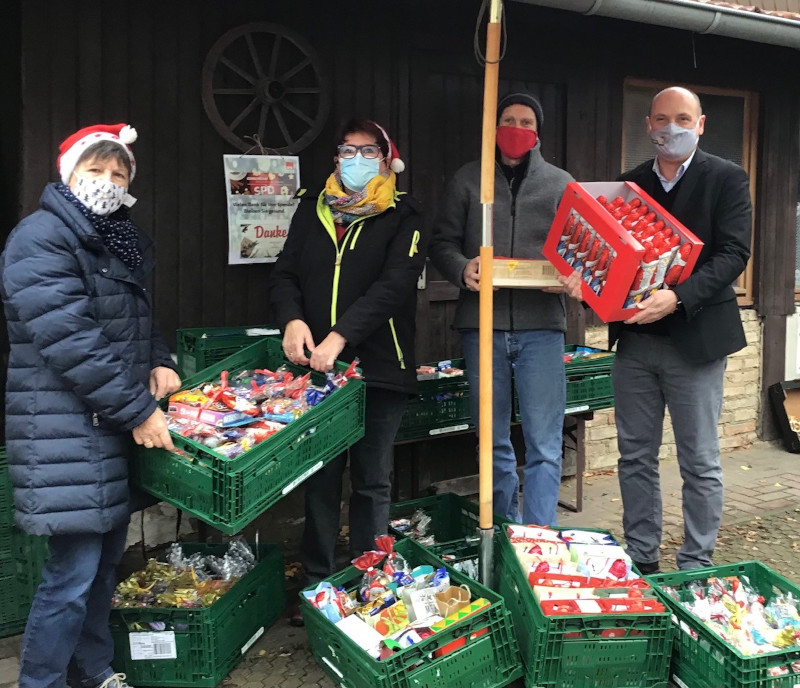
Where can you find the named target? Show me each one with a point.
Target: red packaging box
(586, 236)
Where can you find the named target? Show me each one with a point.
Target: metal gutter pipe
(690, 16)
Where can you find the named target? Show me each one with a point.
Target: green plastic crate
(229, 493)
(710, 661)
(200, 347)
(582, 651)
(584, 393)
(455, 523)
(490, 659)
(583, 366)
(209, 641)
(22, 557)
(429, 414)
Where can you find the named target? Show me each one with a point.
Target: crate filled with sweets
(189, 619)
(446, 524)
(442, 402)
(399, 617)
(739, 626)
(623, 243)
(583, 615)
(247, 431)
(200, 347)
(22, 557)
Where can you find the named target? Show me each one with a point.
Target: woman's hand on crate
(163, 382)
(324, 356)
(153, 432)
(296, 339)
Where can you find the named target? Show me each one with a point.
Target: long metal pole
(486, 325)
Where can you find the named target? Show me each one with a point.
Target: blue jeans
(67, 638)
(535, 359)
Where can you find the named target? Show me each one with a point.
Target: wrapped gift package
(523, 273)
(624, 244)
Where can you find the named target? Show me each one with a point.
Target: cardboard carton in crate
(523, 273)
(625, 249)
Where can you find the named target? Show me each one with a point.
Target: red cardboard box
(586, 236)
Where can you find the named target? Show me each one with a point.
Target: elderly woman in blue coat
(86, 369)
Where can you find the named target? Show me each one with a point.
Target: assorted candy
(233, 414)
(666, 250)
(192, 581)
(586, 353)
(394, 605)
(443, 369)
(580, 572)
(735, 611)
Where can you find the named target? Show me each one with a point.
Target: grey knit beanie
(522, 99)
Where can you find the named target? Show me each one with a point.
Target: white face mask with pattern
(101, 196)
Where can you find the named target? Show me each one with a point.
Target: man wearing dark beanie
(529, 324)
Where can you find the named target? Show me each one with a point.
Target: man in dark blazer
(673, 351)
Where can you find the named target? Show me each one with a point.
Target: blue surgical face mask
(357, 171)
(673, 142)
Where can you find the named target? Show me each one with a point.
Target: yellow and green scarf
(374, 198)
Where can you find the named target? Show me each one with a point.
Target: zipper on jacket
(397, 348)
(95, 420)
(513, 228)
(327, 221)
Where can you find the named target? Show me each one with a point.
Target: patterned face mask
(101, 196)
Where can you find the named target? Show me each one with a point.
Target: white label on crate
(449, 428)
(576, 409)
(159, 645)
(250, 642)
(301, 478)
(677, 681)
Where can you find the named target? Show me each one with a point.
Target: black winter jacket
(82, 348)
(364, 287)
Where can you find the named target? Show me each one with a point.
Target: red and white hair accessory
(393, 160)
(74, 146)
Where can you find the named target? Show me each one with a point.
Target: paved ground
(762, 510)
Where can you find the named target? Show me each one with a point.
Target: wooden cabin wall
(408, 65)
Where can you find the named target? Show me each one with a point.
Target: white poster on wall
(261, 193)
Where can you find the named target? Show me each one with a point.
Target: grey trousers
(648, 374)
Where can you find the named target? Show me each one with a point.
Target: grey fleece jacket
(520, 231)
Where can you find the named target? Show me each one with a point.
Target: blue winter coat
(82, 347)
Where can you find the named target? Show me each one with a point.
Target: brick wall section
(740, 409)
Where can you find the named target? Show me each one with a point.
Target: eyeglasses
(369, 151)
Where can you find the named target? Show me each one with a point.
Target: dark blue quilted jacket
(82, 347)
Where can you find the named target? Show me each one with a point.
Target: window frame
(744, 285)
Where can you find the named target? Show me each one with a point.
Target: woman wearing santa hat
(85, 371)
(345, 287)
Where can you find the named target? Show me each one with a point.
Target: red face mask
(514, 142)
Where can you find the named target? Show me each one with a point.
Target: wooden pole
(486, 324)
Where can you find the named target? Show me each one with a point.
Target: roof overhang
(698, 17)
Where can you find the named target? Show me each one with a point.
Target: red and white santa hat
(393, 160)
(74, 146)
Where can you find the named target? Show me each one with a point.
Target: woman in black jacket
(345, 287)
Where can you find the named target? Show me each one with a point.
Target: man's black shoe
(647, 569)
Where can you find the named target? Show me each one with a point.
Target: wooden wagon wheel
(265, 79)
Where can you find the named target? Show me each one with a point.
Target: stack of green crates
(207, 641)
(441, 406)
(454, 524)
(708, 661)
(21, 560)
(200, 347)
(229, 493)
(589, 386)
(586, 650)
(479, 650)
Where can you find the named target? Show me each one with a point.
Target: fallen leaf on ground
(778, 485)
(615, 499)
(745, 468)
(285, 654)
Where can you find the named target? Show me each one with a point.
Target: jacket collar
(535, 161)
(53, 201)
